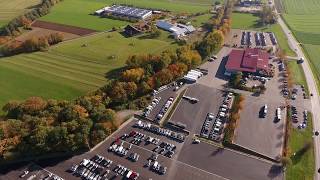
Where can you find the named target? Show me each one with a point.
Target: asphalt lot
(193, 115)
(191, 161)
(165, 95)
(237, 34)
(216, 69)
(226, 163)
(176, 169)
(263, 135)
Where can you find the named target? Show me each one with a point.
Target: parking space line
(174, 160)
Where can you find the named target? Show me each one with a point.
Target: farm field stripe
(73, 67)
(55, 74)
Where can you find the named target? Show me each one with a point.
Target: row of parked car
(120, 150)
(149, 108)
(246, 38)
(165, 149)
(219, 123)
(294, 114)
(154, 165)
(260, 39)
(91, 169)
(273, 38)
(160, 131)
(206, 125)
(126, 172)
(164, 109)
(305, 120)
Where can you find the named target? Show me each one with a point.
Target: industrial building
(248, 3)
(177, 30)
(248, 60)
(125, 11)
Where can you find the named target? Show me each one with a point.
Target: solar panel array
(129, 11)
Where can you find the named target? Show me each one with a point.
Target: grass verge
(172, 109)
(299, 76)
(302, 166)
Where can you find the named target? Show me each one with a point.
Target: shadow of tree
(114, 73)
(217, 151)
(275, 171)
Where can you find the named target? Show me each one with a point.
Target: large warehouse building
(177, 30)
(248, 60)
(126, 11)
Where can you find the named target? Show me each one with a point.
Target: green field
(198, 21)
(77, 12)
(9, 9)
(302, 167)
(303, 17)
(69, 69)
(298, 76)
(250, 22)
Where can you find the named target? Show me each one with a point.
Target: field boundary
(62, 28)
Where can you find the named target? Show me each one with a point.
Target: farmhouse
(248, 60)
(136, 29)
(125, 11)
(177, 30)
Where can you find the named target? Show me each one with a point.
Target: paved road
(315, 100)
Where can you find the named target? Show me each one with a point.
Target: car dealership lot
(165, 95)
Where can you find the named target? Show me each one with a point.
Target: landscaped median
(172, 108)
(300, 162)
(234, 119)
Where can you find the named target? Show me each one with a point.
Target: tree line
(37, 126)
(12, 28)
(31, 45)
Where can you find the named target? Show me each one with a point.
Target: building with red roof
(247, 60)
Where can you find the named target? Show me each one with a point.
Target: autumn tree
(34, 105)
(189, 56)
(211, 42)
(164, 76)
(134, 75)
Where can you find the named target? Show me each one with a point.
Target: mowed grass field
(303, 166)
(9, 9)
(70, 69)
(77, 12)
(303, 17)
(250, 22)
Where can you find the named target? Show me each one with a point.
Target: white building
(177, 30)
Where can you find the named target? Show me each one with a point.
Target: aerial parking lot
(252, 39)
(228, 163)
(264, 135)
(193, 115)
